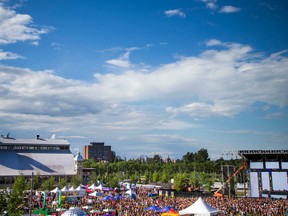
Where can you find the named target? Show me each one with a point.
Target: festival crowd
(129, 206)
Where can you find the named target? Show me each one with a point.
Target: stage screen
(284, 165)
(272, 165)
(254, 185)
(256, 165)
(279, 181)
(265, 181)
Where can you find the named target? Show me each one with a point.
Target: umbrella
(172, 212)
(152, 208)
(107, 198)
(74, 212)
(166, 209)
(118, 197)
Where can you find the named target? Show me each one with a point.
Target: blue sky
(146, 77)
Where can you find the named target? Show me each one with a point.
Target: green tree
(37, 181)
(3, 202)
(155, 177)
(62, 182)
(75, 181)
(16, 197)
(178, 182)
(189, 157)
(48, 184)
(202, 155)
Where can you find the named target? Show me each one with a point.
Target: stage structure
(268, 172)
(228, 186)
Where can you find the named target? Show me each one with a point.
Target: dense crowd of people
(131, 206)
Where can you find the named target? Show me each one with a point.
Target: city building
(38, 156)
(98, 151)
(268, 172)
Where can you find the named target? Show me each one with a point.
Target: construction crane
(244, 166)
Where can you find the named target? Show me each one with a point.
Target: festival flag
(59, 199)
(45, 197)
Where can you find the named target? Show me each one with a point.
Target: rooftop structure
(38, 155)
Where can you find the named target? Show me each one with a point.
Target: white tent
(92, 187)
(199, 208)
(65, 189)
(99, 187)
(131, 193)
(72, 189)
(80, 190)
(55, 190)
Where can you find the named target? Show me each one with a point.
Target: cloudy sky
(148, 76)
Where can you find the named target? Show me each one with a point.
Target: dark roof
(267, 155)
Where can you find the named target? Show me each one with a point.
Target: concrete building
(98, 151)
(43, 157)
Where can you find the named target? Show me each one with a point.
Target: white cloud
(175, 12)
(214, 42)
(218, 82)
(222, 82)
(229, 9)
(17, 27)
(9, 55)
(210, 4)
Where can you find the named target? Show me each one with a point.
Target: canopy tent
(56, 190)
(80, 190)
(92, 187)
(72, 189)
(99, 187)
(74, 212)
(199, 208)
(65, 189)
(131, 193)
